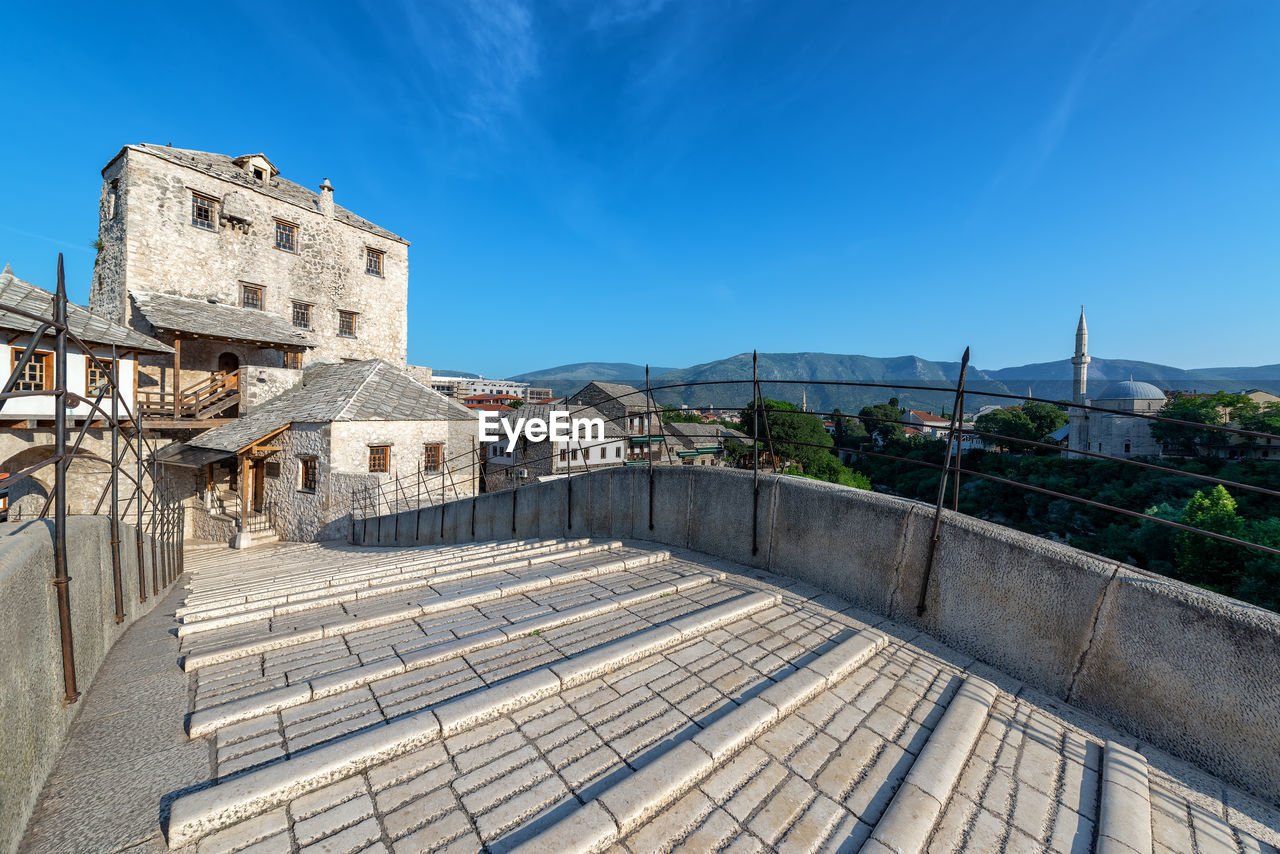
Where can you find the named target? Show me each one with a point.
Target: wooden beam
(271, 435)
(177, 374)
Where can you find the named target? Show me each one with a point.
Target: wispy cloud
(1113, 44)
(471, 60)
(617, 13)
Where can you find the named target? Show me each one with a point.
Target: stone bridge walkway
(576, 695)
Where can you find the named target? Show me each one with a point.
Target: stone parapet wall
(31, 708)
(1192, 672)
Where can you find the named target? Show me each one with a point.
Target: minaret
(1079, 418)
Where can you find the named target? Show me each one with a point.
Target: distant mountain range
(1050, 380)
(567, 379)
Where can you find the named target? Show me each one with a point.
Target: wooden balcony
(206, 403)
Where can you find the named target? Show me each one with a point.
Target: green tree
(797, 436)
(880, 420)
(1008, 424)
(1044, 417)
(675, 415)
(1208, 409)
(1204, 560)
(849, 432)
(1264, 419)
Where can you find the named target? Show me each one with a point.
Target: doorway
(228, 363)
(257, 483)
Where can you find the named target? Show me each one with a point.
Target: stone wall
(1189, 671)
(258, 385)
(150, 244)
(350, 441)
(35, 719)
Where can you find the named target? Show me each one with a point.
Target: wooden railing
(201, 400)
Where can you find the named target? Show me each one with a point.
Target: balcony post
(177, 376)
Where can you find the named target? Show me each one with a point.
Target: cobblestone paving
(823, 774)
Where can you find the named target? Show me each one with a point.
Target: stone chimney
(326, 198)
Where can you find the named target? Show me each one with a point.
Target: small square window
(286, 236)
(37, 373)
(309, 468)
(293, 359)
(433, 453)
(202, 211)
(346, 324)
(373, 262)
(251, 296)
(380, 458)
(302, 315)
(98, 376)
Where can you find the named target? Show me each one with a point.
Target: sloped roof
(222, 167)
(628, 396)
(612, 430)
(89, 327)
(215, 320)
(372, 390)
(703, 431)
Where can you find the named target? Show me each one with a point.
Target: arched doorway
(228, 362)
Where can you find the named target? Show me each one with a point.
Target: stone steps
(199, 813)
(207, 721)
(261, 578)
(216, 653)
(341, 589)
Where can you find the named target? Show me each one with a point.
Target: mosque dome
(1131, 390)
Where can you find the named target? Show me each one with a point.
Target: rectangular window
(380, 458)
(309, 468)
(37, 375)
(617, 451)
(97, 375)
(293, 360)
(373, 262)
(302, 315)
(433, 453)
(202, 213)
(286, 236)
(346, 324)
(251, 296)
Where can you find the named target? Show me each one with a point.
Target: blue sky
(675, 182)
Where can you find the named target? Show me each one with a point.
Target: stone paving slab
(544, 718)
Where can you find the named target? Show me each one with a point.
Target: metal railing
(153, 501)
(381, 499)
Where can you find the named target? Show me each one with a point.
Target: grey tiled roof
(628, 396)
(220, 166)
(214, 320)
(372, 390)
(612, 430)
(690, 435)
(89, 327)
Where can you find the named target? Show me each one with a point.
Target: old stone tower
(1078, 437)
(243, 267)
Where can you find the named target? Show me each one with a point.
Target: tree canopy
(800, 437)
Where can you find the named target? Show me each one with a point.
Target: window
(202, 211)
(97, 375)
(1126, 447)
(293, 359)
(286, 236)
(380, 458)
(433, 452)
(251, 296)
(113, 199)
(257, 173)
(564, 455)
(36, 375)
(373, 262)
(302, 315)
(309, 467)
(346, 324)
(617, 451)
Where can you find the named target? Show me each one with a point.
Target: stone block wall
(1189, 671)
(35, 720)
(150, 244)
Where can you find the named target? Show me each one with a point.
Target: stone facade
(149, 243)
(258, 385)
(341, 449)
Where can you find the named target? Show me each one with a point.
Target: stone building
(236, 266)
(628, 408)
(295, 460)
(27, 423)
(1113, 434)
(697, 444)
(510, 463)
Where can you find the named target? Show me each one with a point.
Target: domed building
(1104, 432)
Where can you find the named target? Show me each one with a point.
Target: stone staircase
(590, 695)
